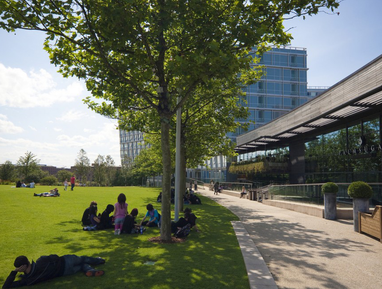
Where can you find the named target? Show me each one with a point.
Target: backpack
(183, 232)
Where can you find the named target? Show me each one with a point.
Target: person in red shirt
(73, 181)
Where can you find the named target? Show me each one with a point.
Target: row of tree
(101, 172)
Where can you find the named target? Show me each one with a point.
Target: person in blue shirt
(153, 217)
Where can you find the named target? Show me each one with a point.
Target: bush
(49, 181)
(329, 187)
(360, 190)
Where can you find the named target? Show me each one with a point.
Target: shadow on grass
(210, 259)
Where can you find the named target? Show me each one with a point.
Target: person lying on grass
(49, 267)
(51, 193)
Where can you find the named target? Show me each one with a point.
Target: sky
(43, 113)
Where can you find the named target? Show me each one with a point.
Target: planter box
(371, 223)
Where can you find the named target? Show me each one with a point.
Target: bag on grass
(183, 232)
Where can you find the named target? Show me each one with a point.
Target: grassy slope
(35, 226)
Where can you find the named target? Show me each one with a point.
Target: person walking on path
(73, 181)
(49, 267)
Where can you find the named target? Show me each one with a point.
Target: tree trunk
(165, 232)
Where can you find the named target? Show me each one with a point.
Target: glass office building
(131, 144)
(282, 88)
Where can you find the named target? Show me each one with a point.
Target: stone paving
(287, 249)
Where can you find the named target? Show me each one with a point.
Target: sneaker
(101, 260)
(94, 273)
(119, 232)
(116, 232)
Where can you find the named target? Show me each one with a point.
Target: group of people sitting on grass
(189, 197)
(125, 223)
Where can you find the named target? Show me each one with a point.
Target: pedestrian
(66, 185)
(73, 181)
(49, 267)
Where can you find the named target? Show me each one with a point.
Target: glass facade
(131, 144)
(282, 88)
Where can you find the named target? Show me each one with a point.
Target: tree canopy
(139, 56)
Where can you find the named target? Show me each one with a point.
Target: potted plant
(361, 192)
(330, 190)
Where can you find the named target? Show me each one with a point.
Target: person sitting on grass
(153, 217)
(94, 219)
(106, 221)
(191, 218)
(51, 193)
(129, 224)
(86, 215)
(49, 267)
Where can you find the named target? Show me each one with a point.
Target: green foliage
(329, 187)
(63, 175)
(7, 171)
(49, 181)
(360, 190)
(52, 226)
(27, 165)
(82, 165)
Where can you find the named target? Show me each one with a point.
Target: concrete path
(302, 251)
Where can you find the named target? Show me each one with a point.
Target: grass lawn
(35, 226)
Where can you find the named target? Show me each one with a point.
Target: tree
(99, 170)
(63, 175)
(82, 165)
(27, 165)
(109, 169)
(140, 56)
(7, 171)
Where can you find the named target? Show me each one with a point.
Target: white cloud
(8, 127)
(72, 115)
(20, 89)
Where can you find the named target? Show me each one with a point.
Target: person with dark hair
(120, 213)
(86, 215)
(94, 220)
(106, 221)
(129, 224)
(191, 218)
(153, 217)
(49, 267)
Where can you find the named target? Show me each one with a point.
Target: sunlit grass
(35, 226)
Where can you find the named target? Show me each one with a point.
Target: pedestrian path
(301, 251)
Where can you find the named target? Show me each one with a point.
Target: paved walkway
(302, 251)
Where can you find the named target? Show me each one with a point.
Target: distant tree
(63, 175)
(49, 181)
(82, 165)
(7, 171)
(28, 165)
(99, 170)
(110, 169)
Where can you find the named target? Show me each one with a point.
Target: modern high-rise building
(282, 88)
(131, 144)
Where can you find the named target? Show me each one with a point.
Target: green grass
(35, 226)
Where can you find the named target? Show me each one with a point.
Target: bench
(370, 223)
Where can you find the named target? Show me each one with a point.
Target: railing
(311, 194)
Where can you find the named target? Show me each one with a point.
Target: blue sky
(43, 113)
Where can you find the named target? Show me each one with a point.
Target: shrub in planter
(330, 190)
(329, 187)
(360, 190)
